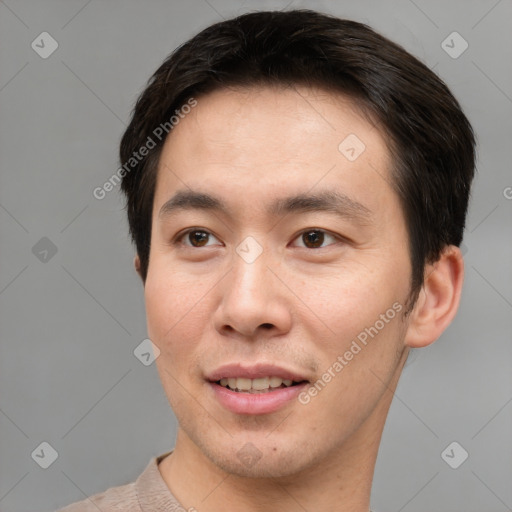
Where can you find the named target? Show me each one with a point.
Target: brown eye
(195, 238)
(313, 239)
(198, 238)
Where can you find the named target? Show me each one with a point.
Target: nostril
(267, 326)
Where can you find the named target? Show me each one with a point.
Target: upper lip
(254, 371)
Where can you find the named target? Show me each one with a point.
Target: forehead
(251, 139)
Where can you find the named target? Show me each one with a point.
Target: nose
(254, 302)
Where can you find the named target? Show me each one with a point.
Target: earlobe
(438, 300)
(136, 264)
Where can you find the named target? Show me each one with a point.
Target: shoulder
(148, 492)
(123, 497)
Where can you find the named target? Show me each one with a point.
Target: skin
(296, 305)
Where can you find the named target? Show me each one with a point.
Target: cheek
(357, 362)
(175, 312)
(352, 297)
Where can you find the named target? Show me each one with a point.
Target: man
(297, 187)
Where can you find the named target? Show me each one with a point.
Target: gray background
(71, 321)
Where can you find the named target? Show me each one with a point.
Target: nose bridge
(250, 276)
(251, 296)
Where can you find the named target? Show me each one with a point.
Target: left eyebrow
(326, 200)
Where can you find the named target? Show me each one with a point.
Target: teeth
(260, 384)
(251, 385)
(275, 382)
(243, 384)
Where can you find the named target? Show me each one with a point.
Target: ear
(438, 300)
(136, 264)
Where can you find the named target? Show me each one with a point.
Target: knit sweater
(149, 493)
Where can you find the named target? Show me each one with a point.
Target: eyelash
(183, 234)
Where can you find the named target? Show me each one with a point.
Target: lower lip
(256, 403)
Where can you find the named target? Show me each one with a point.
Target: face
(278, 275)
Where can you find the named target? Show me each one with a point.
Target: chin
(260, 457)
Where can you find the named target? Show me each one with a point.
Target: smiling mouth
(257, 386)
